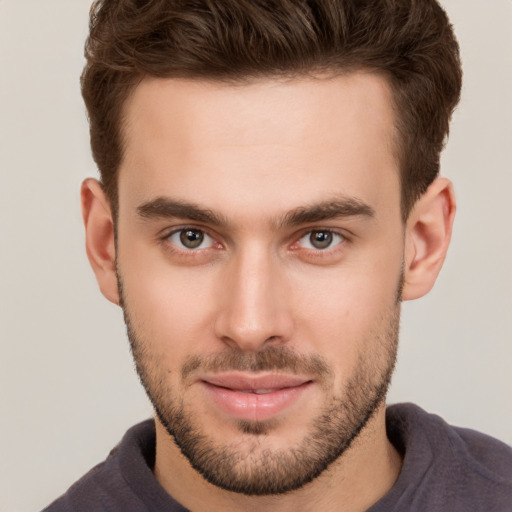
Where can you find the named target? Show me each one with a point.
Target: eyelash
(182, 251)
(331, 232)
(312, 252)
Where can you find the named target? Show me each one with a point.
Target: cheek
(170, 308)
(345, 311)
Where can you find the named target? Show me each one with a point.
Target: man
(269, 194)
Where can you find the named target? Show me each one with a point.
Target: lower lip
(253, 406)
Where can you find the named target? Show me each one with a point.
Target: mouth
(255, 397)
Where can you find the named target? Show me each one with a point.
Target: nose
(253, 309)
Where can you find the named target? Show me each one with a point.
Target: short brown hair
(411, 42)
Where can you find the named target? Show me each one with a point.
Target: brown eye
(320, 239)
(190, 238)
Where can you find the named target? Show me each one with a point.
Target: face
(259, 255)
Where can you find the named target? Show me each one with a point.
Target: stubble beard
(247, 466)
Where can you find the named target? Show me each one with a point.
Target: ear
(99, 237)
(428, 233)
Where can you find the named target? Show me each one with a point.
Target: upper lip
(244, 382)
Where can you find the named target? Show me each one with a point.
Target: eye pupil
(320, 239)
(191, 238)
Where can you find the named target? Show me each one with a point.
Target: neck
(357, 480)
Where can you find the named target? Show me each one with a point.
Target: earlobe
(428, 233)
(99, 236)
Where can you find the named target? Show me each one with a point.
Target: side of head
(411, 43)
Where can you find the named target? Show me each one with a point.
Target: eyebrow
(339, 207)
(336, 208)
(166, 208)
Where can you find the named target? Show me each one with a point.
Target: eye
(191, 238)
(320, 239)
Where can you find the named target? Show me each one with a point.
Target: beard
(246, 465)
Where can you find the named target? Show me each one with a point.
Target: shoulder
(105, 487)
(487, 455)
(449, 468)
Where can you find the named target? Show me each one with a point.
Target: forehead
(289, 141)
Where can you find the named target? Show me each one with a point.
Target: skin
(252, 154)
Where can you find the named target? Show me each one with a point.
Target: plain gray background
(68, 390)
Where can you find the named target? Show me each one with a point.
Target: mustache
(270, 359)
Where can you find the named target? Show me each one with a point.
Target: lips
(255, 397)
